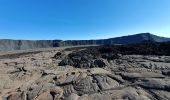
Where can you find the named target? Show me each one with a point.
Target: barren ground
(74, 74)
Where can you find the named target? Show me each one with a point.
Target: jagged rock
(98, 63)
(65, 62)
(76, 61)
(58, 55)
(80, 60)
(166, 72)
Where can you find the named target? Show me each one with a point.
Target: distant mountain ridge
(137, 38)
(7, 44)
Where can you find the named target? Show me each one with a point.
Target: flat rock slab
(158, 84)
(131, 76)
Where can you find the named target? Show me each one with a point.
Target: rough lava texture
(121, 72)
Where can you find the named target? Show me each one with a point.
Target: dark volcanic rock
(92, 56)
(81, 59)
(58, 55)
(80, 63)
(65, 62)
(99, 63)
(166, 72)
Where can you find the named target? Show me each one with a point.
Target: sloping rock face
(34, 44)
(88, 73)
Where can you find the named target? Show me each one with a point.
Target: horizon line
(80, 39)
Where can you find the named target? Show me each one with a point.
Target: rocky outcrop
(101, 56)
(90, 58)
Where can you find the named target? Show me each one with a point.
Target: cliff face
(27, 44)
(30, 44)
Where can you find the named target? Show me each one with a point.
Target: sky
(82, 19)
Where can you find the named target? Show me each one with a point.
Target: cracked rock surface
(86, 73)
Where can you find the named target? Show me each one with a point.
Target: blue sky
(82, 19)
